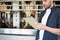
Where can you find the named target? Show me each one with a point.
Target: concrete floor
(16, 37)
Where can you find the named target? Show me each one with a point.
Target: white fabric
(44, 21)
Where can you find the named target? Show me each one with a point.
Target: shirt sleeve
(58, 19)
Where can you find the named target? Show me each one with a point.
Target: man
(49, 22)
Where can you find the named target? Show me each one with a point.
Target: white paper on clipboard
(31, 21)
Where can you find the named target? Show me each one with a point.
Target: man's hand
(40, 26)
(52, 30)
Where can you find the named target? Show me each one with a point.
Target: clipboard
(31, 21)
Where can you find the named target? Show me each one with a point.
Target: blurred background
(12, 24)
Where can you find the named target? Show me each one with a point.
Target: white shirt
(44, 21)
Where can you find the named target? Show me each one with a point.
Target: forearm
(53, 30)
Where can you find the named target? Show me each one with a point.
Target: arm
(52, 30)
